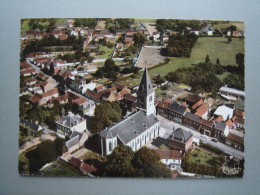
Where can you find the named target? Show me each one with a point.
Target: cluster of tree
(177, 25)
(110, 70)
(120, 24)
(180, 45)
(105, 114)
(86, 22)
(123, 162)
(45, 152)
(139, 38)
(41, 114)
(202, 77)
(47, 41)
(78, 56)
(159, 80)
(237, 77)
(128, 70)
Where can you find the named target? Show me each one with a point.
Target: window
(110, 146)
(137, 140)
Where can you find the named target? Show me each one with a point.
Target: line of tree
(86, 22)
(180, 45)
(123, 162)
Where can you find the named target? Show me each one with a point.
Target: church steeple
(145, 94)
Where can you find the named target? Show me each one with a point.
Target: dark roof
(32, 126)
(240, 104)
(70, 120)
(181, 135)
(73, 141)
(159, 141)
(129, 128)
(174, 106)
(192, 117)
(220, 126)
(145, 86)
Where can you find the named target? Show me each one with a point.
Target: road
(167, 129)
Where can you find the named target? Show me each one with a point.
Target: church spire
(145, 87)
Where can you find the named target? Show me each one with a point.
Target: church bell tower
(145, 95)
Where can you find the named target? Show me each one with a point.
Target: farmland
(215, 47)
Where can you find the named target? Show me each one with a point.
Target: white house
(139, 128)
(231, 93)
(225, 112)
(171, 158)
(67, 124)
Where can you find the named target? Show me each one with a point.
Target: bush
(211, 148)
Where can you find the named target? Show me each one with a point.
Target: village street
(167, 127)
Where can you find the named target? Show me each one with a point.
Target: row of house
(187, 114)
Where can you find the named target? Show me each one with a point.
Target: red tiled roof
(193, 98)
(197, 104)
(72, 96)
(93, 94)
(79, 101)
(31, 81)
(42, 60)
(129, 97)
(119, 86)
(50, 93)
(24, 65)
(87, 168)
(36, 98)
(219, 118)
(75, 162)
(164, 105)
(168, 100)
(23, 72)
(99, 88)
(235, 139)
(168, 154)
(201, 110)
(238, 113)
(206, 122)
(60, 98)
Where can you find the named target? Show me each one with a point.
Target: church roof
(130, 128)
(145, 87)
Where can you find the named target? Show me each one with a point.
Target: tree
(159, 80)
(217, 61)
(240, 62)
(139, 38)
(118, 163)
(207, 58)
(60, 145)
(149, 164)
(105, 114)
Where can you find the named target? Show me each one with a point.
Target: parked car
(214, 140)
(204, 136)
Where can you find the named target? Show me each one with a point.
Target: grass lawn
(202, 157)
(25, 27)
(238, 24)
(60, 21)
(64, 170)
(107, 54)
(130, 81)
(215, 47)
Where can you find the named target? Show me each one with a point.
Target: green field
(201, 157)
(107, 54)
(215, 47)
(238, 24)
(145, 20)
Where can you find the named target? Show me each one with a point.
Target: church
(140, 127)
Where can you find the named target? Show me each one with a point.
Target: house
(193, 101)
(93, 95)
(86, 106)
(139, 128)
(28, 72)
(176, 112)
(84, 167)
(43, 98)
(225, 112)
(180, 139)
(69, 123)
(128, 101)
(32, 128)
(171, 158)
(73, 143)
(156, 36)
(202, 111)
(221, 130)
(235, 141)
(231, 93)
